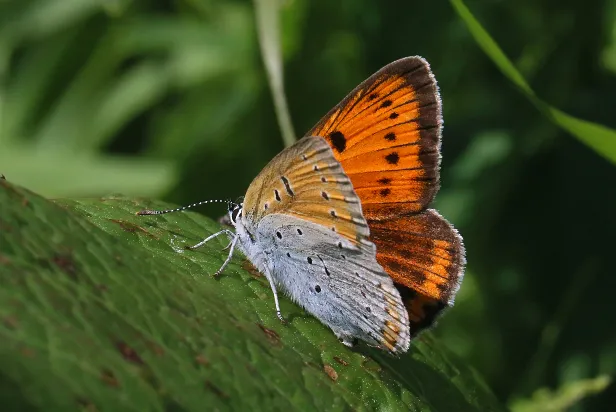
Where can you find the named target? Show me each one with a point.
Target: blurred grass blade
(58, 174)
(44, 18)
(66, 122)
(30, 81)
(564, 398)
(130, 95)
(268, 28)
(598, 137)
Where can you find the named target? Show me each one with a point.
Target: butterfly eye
(236, 213)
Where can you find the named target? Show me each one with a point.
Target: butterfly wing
(387, 135)
(340, 284)
(424, 255)
(305, 181)
(305, 216)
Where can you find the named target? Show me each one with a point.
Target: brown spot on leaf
(251, 369)
(5, 227)
(66, 264)
(272, 336)
(129, 353)
(10, 322)
(109, 378)
(341, 361)
(250, 268)
(86, 405)
(155, 348)
(331, 372)
(202, 360)
(27, 352)
(131, 227)
(126, 226)
(210, 386)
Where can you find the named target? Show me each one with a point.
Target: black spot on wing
(338, 141)
(390, 137)
(392, 158)
(287, 186)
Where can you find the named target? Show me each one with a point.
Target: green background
(169, 99)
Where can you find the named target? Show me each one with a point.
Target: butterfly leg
(207, 239)
(273, 286)
(229, 256)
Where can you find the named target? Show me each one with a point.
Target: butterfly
(340, 221)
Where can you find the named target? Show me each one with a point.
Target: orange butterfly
(340, 219)
(386, 134)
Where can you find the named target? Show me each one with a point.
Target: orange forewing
(386, 134)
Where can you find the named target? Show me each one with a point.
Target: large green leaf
(104, 310)
(598, 137)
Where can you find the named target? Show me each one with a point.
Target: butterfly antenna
(179, 209)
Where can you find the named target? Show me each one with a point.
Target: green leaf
(600, 138)
(102, 309)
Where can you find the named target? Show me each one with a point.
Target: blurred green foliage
(170, 99)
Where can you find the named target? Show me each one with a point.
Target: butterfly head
(235, 212)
